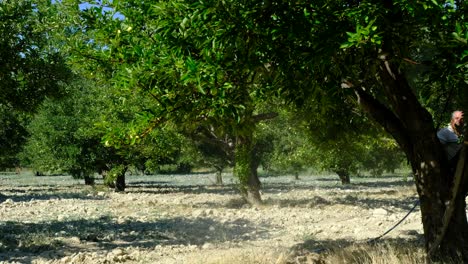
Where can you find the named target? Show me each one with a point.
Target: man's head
(457, 119)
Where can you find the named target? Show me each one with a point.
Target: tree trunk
(246, 171)
(120, 181)
(412, 127)
(344, 176)
(452, 244)
(89, 180)
(219, 176)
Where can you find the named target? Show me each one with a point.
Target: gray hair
(455, 112)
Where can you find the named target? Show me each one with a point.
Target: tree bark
(344, 176)
(120, 181)
(89, 180)
(246, 171)
(219, 176)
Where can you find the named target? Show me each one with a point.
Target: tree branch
(385, 117)
(265, 116)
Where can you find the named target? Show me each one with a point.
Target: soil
(188, 219)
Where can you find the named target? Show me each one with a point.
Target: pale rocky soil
(186, 219)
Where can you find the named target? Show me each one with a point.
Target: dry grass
(378, 254)
(386, 253)
(381, 253)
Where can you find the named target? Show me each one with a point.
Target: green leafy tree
(215, 147)
(174, 53)
(63, 137)
(166, 145)
(66, 137)
(290, 150)
(12, 136)
(367, 52)
(329, 143)
(30, 69)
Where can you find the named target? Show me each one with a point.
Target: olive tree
(183, 57)
(31, 69)
(367, 53)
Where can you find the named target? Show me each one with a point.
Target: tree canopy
(31, 67)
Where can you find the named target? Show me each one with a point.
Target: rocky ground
(186, 219)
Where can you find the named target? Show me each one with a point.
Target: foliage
(30, 67)
(290, 147)
(12, 136)
(63, 135)
(165, 145)
(66, 135)
(181, 55)
(302, 140)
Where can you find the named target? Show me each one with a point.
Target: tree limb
(384, 117)
(265, 116)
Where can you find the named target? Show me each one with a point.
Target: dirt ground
(187, 219)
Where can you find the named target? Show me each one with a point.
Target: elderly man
(451, 137)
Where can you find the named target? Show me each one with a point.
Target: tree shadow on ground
(21, 195)
(323, 247)
(146, 184)
(151, 188)
(318, 202)
(374, 203)
(336, 184)
(364, 203)
(25, 241)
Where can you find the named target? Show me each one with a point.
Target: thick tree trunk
(246, 171)
(442, 244)
(89, 180)
(120, 181)
(412, 127)
(344, 176)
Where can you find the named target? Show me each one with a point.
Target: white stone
(380, 212)
(207, 246)
(118, 252)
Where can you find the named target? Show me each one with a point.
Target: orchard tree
(13, 135)
(30, 69)
(333, 141)
(66, 136)
(346, 142)
(166, 145)
(63, 134)
(215, 146)
(368, 52)
(30, 66)
(186, 58)
(288, 138)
